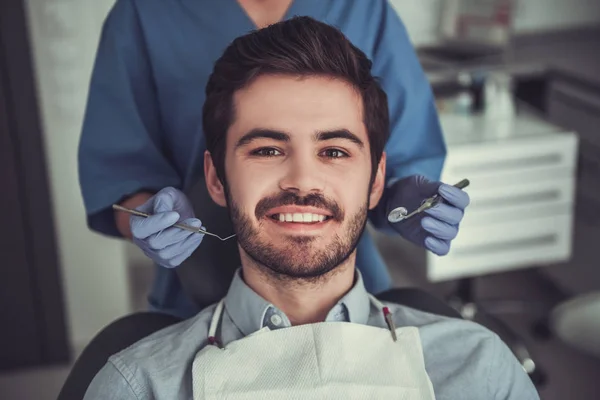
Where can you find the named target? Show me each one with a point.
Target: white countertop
(462, 130)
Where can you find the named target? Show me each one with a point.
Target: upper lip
(298, 210)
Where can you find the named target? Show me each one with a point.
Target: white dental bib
(328, 360)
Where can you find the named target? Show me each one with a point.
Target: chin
(299, 257)
(301, 271)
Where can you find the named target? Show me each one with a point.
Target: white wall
(64, 35)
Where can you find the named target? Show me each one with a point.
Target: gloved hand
(164, 244)
(435, 228)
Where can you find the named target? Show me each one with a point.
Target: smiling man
(295, 127)
(298, 180)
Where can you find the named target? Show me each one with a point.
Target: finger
(455, 196)
(439, 229)
(172, 235)
(141, 227)
(175, 254)
(437, 246)
(164, 200)
(172, 251)
(147, 207)
(167, 237)
(190, 245)
(446, 213)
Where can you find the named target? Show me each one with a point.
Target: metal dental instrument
(178, 225)
(400, 213)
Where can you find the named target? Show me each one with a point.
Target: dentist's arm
(121, 150)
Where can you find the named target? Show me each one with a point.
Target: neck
(265, 12)
(303, 301)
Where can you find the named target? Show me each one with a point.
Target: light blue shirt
(142, 129)
(464, 360)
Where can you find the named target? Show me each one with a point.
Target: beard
(296, 257)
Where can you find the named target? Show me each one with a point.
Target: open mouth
(300, 218)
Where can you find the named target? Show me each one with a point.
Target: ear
(213, 183)
(378, 183)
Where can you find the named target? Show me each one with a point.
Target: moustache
(292, 199)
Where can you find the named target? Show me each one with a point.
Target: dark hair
(300, 46)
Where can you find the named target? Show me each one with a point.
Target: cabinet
(522, 171)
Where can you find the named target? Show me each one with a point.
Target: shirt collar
(248, 309)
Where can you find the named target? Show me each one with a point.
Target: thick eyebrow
(339, 134)
(262, 133)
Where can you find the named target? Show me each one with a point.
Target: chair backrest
(420, 300)
(126, 331)
(114, 338)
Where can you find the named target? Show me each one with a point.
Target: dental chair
(205, 278)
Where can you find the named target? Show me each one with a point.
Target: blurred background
(518, 91)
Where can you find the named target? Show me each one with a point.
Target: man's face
(298, 171)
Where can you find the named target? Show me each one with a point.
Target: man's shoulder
(451, 337)
(463, 354)
(165, 354)
(409, 316)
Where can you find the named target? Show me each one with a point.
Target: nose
(303, 176)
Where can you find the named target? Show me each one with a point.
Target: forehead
(298, 105)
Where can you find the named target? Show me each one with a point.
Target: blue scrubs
(143, 123)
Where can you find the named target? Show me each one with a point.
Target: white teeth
(300, 217)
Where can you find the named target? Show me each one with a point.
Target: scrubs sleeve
(416, 144)
(110, 383)
(120, 150)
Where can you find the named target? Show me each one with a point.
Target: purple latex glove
(435, 228)
(164, 244)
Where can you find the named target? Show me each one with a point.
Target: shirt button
(276, 320)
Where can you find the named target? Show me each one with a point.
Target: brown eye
(266, 152)
(335, 153)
